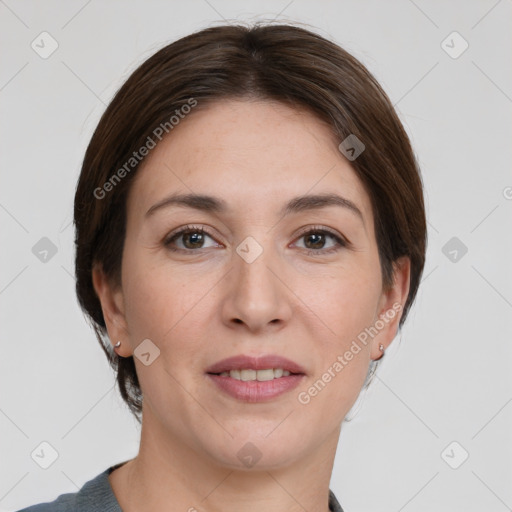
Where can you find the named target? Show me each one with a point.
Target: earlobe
(112, 305)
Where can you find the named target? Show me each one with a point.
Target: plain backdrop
(434, 430)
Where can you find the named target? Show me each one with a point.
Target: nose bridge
(256, 295)
(252, 262)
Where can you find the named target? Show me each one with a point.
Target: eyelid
(315, 228)
(340, 239)
(184, 229)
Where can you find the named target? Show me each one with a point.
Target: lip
(256, 391)
(256, 363)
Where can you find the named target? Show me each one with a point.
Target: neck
(168, 471)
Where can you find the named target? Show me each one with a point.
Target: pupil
(320, 236)
(196, 238)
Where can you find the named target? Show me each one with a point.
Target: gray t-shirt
(97, 495)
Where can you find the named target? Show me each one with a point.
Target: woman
(250, 236)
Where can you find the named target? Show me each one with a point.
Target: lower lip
(254, 390)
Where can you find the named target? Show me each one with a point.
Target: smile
(259, 375)
(253, 389)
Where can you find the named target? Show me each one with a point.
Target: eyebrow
(298, 204)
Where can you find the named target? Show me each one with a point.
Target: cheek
(160, 297)
(344, 300)
(342, 354)
(344, 304)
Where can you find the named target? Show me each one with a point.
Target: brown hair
(270, 62)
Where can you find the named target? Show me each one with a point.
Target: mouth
(249, 374)
(255, 379)
(246, 367)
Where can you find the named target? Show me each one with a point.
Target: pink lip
(255, 363)
(256, 391)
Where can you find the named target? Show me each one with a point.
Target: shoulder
(96, 495)
(64, 503)
(334, 505)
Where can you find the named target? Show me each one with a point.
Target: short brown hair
(265, 61)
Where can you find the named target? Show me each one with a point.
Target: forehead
(251, 154)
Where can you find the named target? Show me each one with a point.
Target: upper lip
(256, 363)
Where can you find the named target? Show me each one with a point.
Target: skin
(204, 305)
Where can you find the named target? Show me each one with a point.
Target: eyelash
(311, 252)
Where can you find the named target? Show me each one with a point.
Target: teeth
(248, 374)
(263, 375)
(259, 375)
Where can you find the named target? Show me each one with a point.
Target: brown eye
(191, 239)
(316, 239)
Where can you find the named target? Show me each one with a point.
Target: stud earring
(381, 348)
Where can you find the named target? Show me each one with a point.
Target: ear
(391, 306)
(112, 304)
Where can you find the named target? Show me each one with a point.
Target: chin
(252, 452)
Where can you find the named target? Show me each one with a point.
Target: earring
(117, 345)
(381, 348)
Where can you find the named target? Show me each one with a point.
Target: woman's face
(254, 284)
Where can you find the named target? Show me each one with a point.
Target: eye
(315, 240)
(193, 237)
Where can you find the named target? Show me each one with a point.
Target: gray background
(446, 378)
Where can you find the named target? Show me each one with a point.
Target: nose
(257, 294)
